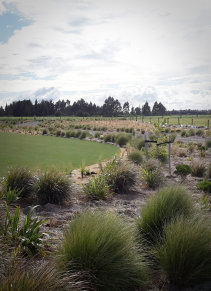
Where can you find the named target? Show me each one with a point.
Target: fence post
(170, 155)
(146, 145)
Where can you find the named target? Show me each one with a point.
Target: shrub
(83, 135)
(208, 142)
(169, 203)
(191, 132)
(109, 138)
(185, 255)
(68, 134)
(205, 186)
(191, 147)
(208, 172)
(199, 132)
(120, 175)
(136, 157)
(198, 168)
(58, 133)
(183, 170)
(20, 180)
(122, 139)
(183, 133)
(53, 187)
(137, 143)
(182, 153)
(152, 174)
(103, 248)
(97, 188)
(24, 277)
(44, 131)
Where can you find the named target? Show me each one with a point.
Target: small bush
(191, 147)
(185, 255)
(44, 131)
(68, 134)
(169, 203)
(103, 248)
(20, 180)
(53, 187)
(83, 135)
(183, 170)
(120, 175)
(8, 194)
(122, 139)
(152, 174)
(109, 138)
(191, 132)
(208, 172)
(136, 157)
(205, 186)
(182, 153)
(97, 188)
(199, 132)
(208, 142)
(58, 133)
(198, 168)
(137, 143)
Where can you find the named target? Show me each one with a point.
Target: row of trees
(111, 107)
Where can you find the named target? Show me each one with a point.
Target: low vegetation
(52, 187)
(166, 205)
(103, 248)
(184, 254)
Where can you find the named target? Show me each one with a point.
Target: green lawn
(46, 151)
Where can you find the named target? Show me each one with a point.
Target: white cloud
(118, 48)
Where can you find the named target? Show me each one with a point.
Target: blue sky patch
(9, 22)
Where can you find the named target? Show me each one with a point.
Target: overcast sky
(133, 50)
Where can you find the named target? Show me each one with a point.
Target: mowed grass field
(42, 152)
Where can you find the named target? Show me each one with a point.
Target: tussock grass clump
(97, 188)
(198, 168)
(122, 139)
(103, 248)
(205, 186)
(151, 174)
(120, 175)
(136, 157)
(167, 204)
(183, 170)
(208, 142)
(185, 253)
(20, 180)
(53, 187)
(24, 277)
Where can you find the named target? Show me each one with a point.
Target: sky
(132, 50)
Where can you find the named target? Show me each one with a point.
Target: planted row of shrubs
(49, 187)
(102, 251)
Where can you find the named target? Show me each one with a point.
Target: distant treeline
(111, 107)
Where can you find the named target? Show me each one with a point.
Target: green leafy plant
(103, 248)
(183, 170)
(28, 236)
(205, 186)
(20, 180)
(160, 153)
(166, 205)
(184, 254)
(8, 194)
(151, 174)
(97, 188)
(53, 187)
(136, 157)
